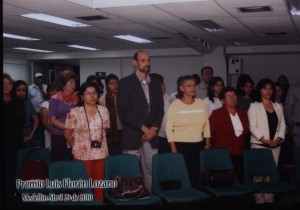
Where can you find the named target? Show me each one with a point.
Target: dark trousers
(191, 151)
(238, 166)
(9, 171)
(58, 147)
(164, 146)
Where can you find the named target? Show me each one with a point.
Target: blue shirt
(35, 96)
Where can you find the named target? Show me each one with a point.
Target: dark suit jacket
(133, 109)
(222, 131)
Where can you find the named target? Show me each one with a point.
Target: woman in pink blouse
(85, 130)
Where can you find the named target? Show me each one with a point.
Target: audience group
(136, 114)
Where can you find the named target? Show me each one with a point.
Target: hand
(173, 147)
(265, 141)
(28, 137)
(40, 85)
(149, 134)
(207, 143)
(144, 138)
(275, 142)
(174, 150)
(207, 146)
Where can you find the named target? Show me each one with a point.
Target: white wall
(16, 66)
(91, 66)
(258, 61)
(217, 61)
(267, 61)
(272, 66)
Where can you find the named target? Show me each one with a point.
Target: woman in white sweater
(186, 125)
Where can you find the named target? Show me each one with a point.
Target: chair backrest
(215, 158)
(169, 167)
(297, 162)
(114, 149)
(32, 153)
(259, 162)
(68, 173)
(125, 165)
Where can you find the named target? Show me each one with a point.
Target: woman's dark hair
(16, 85)
(92, 78)
(243, 79)
(226, 90)
(64, 77)
(180, 81)
(260, 85)
(197, 78)
(211, 84)
(83, 88)
(51, 87)
(109, 78)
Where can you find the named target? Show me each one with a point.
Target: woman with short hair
(85, 131)
(59, 106)
(186, 126)
(229, 126)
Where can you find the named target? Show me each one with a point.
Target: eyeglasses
(231, 97)
(89, 94)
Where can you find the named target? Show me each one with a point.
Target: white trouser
(145, 154)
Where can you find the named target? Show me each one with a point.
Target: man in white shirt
(37, 92)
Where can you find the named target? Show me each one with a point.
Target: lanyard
(89, 122)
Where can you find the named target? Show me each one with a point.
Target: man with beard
(140, 106)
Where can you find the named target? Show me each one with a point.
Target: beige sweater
(187, 123)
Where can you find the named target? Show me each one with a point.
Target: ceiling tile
(194, 10)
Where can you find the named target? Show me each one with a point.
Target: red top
(222, 131)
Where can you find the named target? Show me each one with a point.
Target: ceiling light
(207, 25)
(133, 39)
(55, 20)
(82, 47)
(200, 45)
(19, 37)
(294, 6)
(255, 9)
(31, 49)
